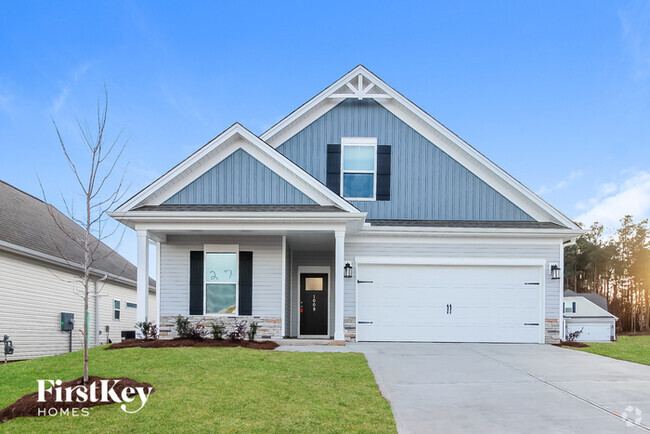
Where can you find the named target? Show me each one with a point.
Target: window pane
(221, 267)
(117, 304)
(358, 184)
(116, 314)
(220, 298)
(313, 283)
(359, 158)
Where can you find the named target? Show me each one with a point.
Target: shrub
(572, 337)
(252, 331)
(238, 331)
(186, 330)
(148, 329)
(218, 329)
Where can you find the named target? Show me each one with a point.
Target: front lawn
(214, 389)
(631, 348)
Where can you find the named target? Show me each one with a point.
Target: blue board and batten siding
(426, 183)
(240, 179)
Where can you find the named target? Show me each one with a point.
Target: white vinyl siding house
(35, 293)
(583, 315)
(40, 278)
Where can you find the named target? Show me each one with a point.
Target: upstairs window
(359, 168)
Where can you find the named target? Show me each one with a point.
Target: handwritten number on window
(213, 274)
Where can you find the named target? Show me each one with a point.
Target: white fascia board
(216, 215)
(477, 232)
(221, 147)
(419, 120)
(29, 253)
(260, 228)
(418, 260)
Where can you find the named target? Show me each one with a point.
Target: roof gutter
(14, 248)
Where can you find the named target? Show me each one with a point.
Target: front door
(313, 304)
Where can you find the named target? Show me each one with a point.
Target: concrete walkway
(506, 388)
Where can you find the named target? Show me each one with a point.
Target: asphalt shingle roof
(28, 222)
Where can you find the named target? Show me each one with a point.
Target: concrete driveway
(507, 388)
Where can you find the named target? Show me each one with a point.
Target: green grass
(214, 389)
(630, 348)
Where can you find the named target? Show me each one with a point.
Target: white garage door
(435, 303)
(592, 332)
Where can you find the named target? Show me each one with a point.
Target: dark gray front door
(313, 304)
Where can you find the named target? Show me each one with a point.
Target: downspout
(97, 307)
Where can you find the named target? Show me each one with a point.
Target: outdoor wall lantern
(555, 271)
(348, 271)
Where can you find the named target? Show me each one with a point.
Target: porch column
(142, 298)
(339, 305)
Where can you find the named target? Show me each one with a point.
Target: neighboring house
(358, 216)
(40, 278)
(587, 311)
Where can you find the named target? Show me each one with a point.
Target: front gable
(235, 168)
(240, 179)
(474, 187)
(426, 183)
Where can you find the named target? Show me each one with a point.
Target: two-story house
(358, 216)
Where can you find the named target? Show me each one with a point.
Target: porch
(291, 282)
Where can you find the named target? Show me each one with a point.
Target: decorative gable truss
(361, 84)
(236, 159)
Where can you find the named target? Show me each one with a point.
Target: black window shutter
(196, 283)
(574, 307)
(383, 172)
(334, 168)
(245, 283)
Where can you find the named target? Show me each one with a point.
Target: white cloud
(76, 74)
(561, 184)
(613, 201)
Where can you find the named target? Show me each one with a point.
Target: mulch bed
(571, 344)
(175, 343)
(27, 406)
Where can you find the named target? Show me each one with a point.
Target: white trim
(283, 296)
(117, 310)
(539, 263)
(235, 137)
(426, 125)
(158, 244)
(220, 248)
(370, 142)
(33, 254)
(308, 269)
(418, 260)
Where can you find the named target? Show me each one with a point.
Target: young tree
(93, 176)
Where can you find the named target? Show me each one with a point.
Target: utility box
(67, 322)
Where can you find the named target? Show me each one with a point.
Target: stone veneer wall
(552, 331)
(269, 327)
(350, 328)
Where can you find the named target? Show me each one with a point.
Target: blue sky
(556, 93)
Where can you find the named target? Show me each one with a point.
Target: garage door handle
(365, 281)
(531, 323)
(531, 283)
(364, 322)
